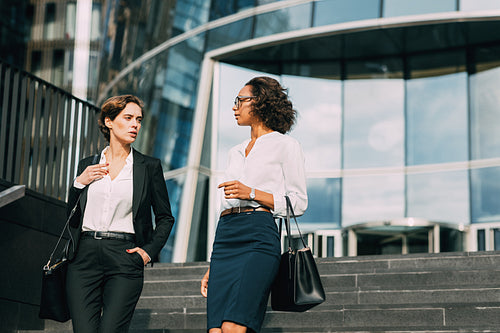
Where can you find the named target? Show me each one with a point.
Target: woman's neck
(258, 131)
(117, 151)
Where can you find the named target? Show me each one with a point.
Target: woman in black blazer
(113, 232)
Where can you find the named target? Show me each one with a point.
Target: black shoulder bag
(53, 302)
(297, 286)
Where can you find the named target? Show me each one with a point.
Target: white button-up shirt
(109, 202)
(274, 165)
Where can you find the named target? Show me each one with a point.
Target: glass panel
(437, 119)
(496, 236)
(481, 240)
(95, 27)
(58, 67)
(174, 187)
(337, 11)
(224, 8)
(485, 112)
(373, 124)
(372, 198)
(479, 4)
(229, 34)
(439, 196)
(190, 14)
(330, 246)
(70, 20)
(49, 24)
(412, 7)
(323, 202)
(319, 106)
(485, 192)
(288, 19)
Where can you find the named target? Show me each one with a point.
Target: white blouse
(274, 165)
(109, 202)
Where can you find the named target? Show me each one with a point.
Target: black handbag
(53, 302)
(297, 286)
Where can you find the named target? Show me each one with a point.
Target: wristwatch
(252, 194)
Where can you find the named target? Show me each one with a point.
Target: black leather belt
(237, 210)
(108, 235)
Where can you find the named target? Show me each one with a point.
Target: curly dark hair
(112, 108)
(271, 104)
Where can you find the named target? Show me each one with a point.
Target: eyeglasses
(239, 99)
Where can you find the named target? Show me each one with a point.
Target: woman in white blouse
(260, 172)
(114, 237)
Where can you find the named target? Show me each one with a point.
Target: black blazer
(149, 191)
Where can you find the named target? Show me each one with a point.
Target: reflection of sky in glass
(442, 197)
(324, 201)
(413, 7)
(373, 123)
(485, 194)
(288, 19)
(437, 130)
(337, 11)
(372, 198)
(479, 4)
(318, 105)
(485, 114)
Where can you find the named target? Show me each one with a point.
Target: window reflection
(411, 7)
(485, 112)
(479, 4)
(338, 11)
(229, 34)
(373, 123)
(437, 119)
(288, 19)
(319, 106)
(323, 202)
(440, 196)
(372, 198)
(485, 193)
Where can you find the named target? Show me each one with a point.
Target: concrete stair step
(350, 318)
(469, 279)
(430, 296)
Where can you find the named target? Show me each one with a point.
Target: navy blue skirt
(244, 263)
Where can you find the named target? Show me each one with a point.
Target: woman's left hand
(144, 255)
(234, 189)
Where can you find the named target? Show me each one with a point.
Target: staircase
(449, 292)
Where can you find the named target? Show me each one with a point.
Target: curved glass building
(398, 103)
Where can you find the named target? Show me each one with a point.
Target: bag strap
(73, 211)
(289, 209)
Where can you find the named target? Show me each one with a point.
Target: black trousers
(104, 283)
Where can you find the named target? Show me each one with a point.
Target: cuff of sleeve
(78, 185)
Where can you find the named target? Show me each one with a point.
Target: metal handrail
(44, 132)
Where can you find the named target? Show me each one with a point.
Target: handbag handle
(47, 265)
(72, 241)
(289, 209)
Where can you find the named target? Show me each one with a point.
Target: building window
(49, 27)
(411, 7)
(481, 240)
(70, 25)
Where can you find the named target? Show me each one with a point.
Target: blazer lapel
(139, 174)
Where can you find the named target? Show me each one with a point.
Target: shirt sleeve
(295, 182)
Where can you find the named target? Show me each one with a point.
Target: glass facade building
(399, 116)
(398, 103)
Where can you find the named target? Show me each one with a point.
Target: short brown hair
(271, 104)
(112, 108)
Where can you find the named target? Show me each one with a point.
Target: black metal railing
(44, 131)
